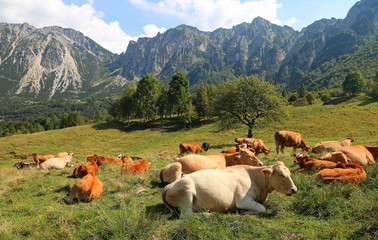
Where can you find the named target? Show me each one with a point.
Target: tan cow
(58, 163)
(41, 158)
(63, 154)
(353, 154)
(307, 163)
(86, 189)
(290, 139)
(254, 143)
(237, 187)
(193, 148)
(332, 146)
(349, 172)
(192, 163)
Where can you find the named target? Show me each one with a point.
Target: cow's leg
(249, 204)
(282, 148)
(277, 147)
(294, 149)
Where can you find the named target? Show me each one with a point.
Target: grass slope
(131, 206)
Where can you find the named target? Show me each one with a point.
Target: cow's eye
(281, 175)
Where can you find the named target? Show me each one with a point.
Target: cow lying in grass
(100, 160)
(237, 187)
(354, 154)
(41, 158)
(83, 169)
(58, 163)
(349, 172)
(332, 146)
(255, 143)
(85, 190)
(21, 165)
(193, 148)
(308, 164)
(135, 167)
(192, 163)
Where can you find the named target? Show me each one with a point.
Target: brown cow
(255, 143)
(101, 160)
(307, 163)
(349, 172)
(192, 163)
(86, 189)
(125, 159)
(332, 146)
(84, 169)
(193, 148)
(290, 139)
(373, 150)
(41, 158)
(353, 154)
(236, 149)
(135, 167)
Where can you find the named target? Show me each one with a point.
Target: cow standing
(237, 187)
(290, 139)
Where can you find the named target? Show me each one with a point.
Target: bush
(325, 97)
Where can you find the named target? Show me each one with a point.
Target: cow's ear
(267, 171)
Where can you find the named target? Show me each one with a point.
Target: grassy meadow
(131, 207)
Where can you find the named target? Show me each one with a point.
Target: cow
(332, 146)
(193, 148)
(84, 169)
(308, 164)
(373, 150)
(236, 187)
(41, 158)
(86, 189)
(255, 143)
(164, 156)
(353, 154)
(63, 154)
(20, 165)
(290, 139)
(58, 163)
(192, 163)
(171, 172)
(101, 160)
(349, 172)
(125, 159)
(135, 167)
(236, 149)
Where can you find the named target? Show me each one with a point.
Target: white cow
(236, 187)
(58, 163)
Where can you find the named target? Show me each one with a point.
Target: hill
(131, 206)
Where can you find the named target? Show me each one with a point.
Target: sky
(113, 23)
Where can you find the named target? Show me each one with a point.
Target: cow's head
(279, 179)
(205, 146)
(247, 157)
(304, 146)
(298, 158)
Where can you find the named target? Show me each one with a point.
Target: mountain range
(55, 62)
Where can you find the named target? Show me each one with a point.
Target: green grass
(131, 206)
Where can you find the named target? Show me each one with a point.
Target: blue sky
(113, 23)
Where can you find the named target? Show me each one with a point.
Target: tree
(354, 83)
(302, 91)
(325, 97)
(147, 93)
(178, 92)
(250, 101)
(293, 98)
(202, 101)
(310, 98)
(128, 102)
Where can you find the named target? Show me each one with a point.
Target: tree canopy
(250, 101)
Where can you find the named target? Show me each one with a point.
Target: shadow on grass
(171, 125)
(66, 189)
(339, 100)
(157, 184)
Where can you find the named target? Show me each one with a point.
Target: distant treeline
(15, 108)
(28, 125)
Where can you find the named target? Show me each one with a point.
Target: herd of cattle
(232, 179)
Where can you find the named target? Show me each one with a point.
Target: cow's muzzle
(292, 191)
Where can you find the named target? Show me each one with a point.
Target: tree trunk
(250, 133)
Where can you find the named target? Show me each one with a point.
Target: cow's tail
(174, 211)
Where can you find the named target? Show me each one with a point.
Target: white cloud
(151, 30)
(85, 18)
(291, 21)
(211, 14)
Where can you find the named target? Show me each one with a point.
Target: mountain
(278, 54)
(53, 62)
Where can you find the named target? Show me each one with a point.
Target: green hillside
(131, 206)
